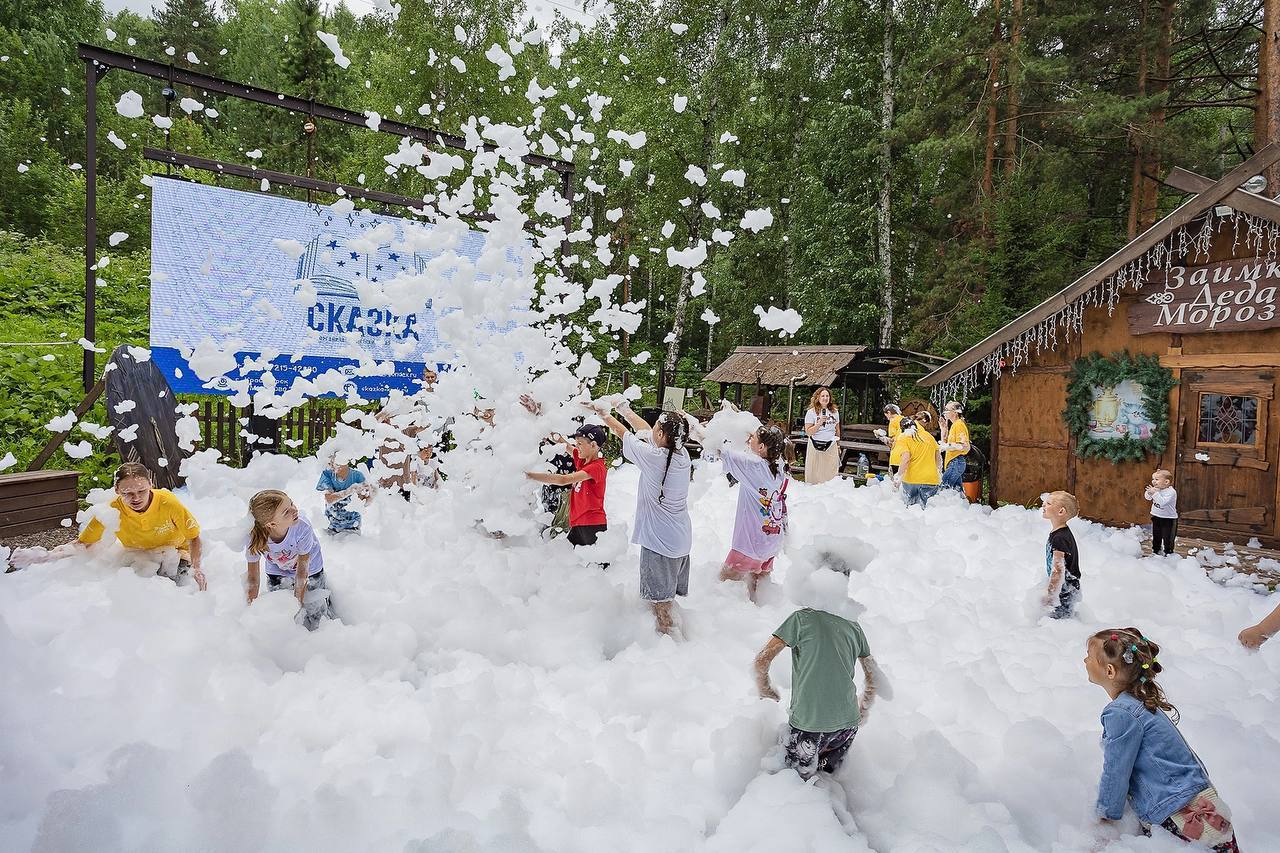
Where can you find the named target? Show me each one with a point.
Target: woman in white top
(662, 528)
(822, 423)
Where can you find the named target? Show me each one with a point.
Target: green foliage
(41, 287)
(1096, 371)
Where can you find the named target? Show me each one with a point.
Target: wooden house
(1196, 293)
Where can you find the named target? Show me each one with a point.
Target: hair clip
(1127, 657)
(1115, 636)
(1146, 666)
(1141, 678)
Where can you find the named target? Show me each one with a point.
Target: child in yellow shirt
(152, 521)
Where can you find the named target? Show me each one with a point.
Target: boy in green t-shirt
(825, 708)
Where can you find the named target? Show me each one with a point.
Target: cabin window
(1228, 419)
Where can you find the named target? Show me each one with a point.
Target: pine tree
(307, 63)
(190, 27)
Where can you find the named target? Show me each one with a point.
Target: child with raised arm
(587, 519)
(1145, 759)
(761, 518)
(1061, 556)
(340, 482)
(1164, 512)
(153, 524)
(286, 541)
(662, 527)
(825, 708)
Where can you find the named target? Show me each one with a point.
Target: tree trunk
(993, 92)
(1267, 121)
(1012, 83)
(1137, 131)
(884, 210)
(1164, 51)
(677, 328)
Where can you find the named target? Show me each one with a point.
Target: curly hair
(831, 400)
(1134, 657)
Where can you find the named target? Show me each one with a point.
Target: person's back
(824, 651)
(825, 709)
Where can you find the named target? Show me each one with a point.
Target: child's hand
(1252, 638)
(767, 692)
(198, 575)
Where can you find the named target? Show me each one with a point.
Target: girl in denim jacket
(1145, 759)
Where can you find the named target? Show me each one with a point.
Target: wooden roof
(1225, 189)
(810, 365)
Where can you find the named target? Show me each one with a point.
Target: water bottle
(863, 466)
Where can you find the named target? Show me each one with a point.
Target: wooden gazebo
(853, 369)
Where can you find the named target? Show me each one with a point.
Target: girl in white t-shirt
(286, 542)
(761, 519)
(662, 528)
(822, 423)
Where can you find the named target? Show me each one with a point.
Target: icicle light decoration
(1248, 232)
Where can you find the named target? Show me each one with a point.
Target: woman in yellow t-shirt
(921, 460)
(152, 521)
(956, 446)
(889, 437)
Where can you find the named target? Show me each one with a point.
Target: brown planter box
(32, 501)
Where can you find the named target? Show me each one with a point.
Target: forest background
(934, 168)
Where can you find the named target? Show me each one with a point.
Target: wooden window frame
(1235, 455)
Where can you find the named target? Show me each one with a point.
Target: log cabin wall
(1232, 496)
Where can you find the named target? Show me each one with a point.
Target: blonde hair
(1068, 500)
(132, 469)
(831, 405)
(263, 507)
(1163, 472)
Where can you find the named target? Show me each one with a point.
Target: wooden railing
(300, 432)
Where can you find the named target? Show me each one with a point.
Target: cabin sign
(1231, 296)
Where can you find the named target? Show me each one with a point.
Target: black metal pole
(90, 220)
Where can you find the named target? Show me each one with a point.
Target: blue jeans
(914, 493)
(953, 474)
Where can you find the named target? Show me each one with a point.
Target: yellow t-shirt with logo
(958, 433)
(895, 430)
(922, 467)
(165, 523)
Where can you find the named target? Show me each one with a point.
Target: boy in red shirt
(586, 502)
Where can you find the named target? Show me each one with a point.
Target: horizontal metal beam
(219, 167)
(173, 74)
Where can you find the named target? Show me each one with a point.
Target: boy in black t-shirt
(1061, 557)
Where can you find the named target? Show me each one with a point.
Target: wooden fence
(300, 432)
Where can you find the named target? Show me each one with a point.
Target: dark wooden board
(154, 414)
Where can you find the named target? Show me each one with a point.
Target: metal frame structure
(98, 61)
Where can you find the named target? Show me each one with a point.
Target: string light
(1260, 236)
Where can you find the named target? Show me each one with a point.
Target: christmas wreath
(1094, 371)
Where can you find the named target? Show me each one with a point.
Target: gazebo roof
(811, 365)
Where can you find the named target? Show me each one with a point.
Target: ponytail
(262, 507)
(675, 430)
(1134, 656)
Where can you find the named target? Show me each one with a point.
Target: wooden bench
(855, 439)
(31, 501)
